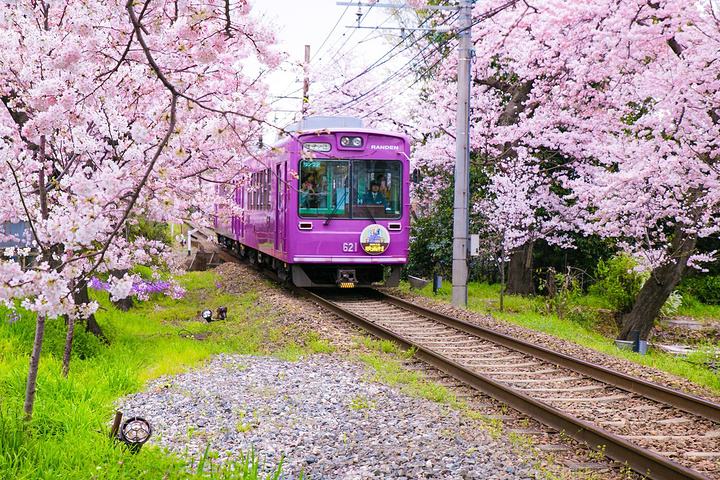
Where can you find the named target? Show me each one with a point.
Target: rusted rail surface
(471, 354)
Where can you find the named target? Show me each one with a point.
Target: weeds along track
(658, 432)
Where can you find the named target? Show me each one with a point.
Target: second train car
(327, 206)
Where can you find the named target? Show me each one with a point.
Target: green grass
(361, 402)
(67, 437)
(691, 307)
(385, 358)
(581, 325)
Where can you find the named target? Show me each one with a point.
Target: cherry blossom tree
(614, 108)
(520, 204)
(651, 179)
(110, 111)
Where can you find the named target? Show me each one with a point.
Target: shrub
(149, 229)
(567, 291)
(618, 282)
(672, 304)
(706, 288)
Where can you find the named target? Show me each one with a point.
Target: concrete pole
(462, 160)
(189, 240)
(306, 82)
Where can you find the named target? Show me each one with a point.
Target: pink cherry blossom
(115, 110)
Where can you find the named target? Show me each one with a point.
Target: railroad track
(658, 432)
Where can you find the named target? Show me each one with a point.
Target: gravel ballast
(323, 415)
(560, 345)
(299, 311)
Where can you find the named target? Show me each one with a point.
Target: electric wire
(327, 37)
(336, 55)
(383, 60)
(420, 76)
(393, 76)
(317, 52)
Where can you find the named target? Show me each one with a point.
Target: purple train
(328, 206)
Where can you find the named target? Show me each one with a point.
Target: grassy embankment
(67, 437)
(582, 324)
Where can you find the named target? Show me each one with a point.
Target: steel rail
(680, 400)
(641, 460)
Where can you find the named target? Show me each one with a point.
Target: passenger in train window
(308, 192)
(374, 196)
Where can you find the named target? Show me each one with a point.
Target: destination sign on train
(317, 146)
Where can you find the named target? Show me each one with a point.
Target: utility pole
(306, 83)
(462, 136)
(462, 160)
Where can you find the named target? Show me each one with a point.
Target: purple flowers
(147, 288)
(97, 284)
(142, 289)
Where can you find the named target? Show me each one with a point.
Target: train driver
(374, 196)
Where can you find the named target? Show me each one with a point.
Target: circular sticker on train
(375, 239)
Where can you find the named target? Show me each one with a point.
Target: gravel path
(323, 416)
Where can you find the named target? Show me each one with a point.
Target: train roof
(316, 125)
(351, 129)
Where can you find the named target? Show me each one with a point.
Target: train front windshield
(350, 189)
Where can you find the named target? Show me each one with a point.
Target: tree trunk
(124, 304)
(502, 279)
(658, 288)
(550, 283)
(520, 280)
(81, 296)
(68, 346)
(34, 364)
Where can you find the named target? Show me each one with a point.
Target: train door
(280, 207)
(241, 203)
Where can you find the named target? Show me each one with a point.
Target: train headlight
(351, 142)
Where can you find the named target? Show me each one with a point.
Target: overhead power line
(336, 55)
(388, 55)
(368, 94)
(327, 37)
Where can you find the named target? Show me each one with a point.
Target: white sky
(302, 22)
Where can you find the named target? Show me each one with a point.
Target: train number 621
(350, 247)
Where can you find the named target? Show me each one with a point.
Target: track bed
(659, 432)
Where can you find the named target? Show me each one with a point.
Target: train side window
(258, 191)
(267, 189)
(254, 191)
(251, 192)
(323, 188)
(261, 190)
(263, 178)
